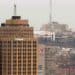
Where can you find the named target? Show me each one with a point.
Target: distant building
(41, 59)
(46, 56)
(55, 27)
(66, 70)
(46, 59)
(50, 59)
(53, 49)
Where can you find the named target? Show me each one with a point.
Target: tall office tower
(18, 48)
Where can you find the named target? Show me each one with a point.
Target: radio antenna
(15, 9)
(50, 11)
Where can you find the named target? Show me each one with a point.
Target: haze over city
(37, 11)
(47, 50)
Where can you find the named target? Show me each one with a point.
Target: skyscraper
(18, 48)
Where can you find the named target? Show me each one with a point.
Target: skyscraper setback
(18, 48)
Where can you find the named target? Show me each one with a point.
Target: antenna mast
(52, 27)
(15, 8)
(50, 11)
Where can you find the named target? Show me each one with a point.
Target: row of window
(19, 73)
(24, 42)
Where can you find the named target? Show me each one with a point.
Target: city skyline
(38, 11)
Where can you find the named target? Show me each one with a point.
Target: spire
(15, 9)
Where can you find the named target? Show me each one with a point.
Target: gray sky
(37, 11)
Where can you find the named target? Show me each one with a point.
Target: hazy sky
(37, 11)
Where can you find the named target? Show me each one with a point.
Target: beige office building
(18, 48)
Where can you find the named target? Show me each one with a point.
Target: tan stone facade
(18, 47)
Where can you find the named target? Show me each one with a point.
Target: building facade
(41, 59)
(18, 48)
